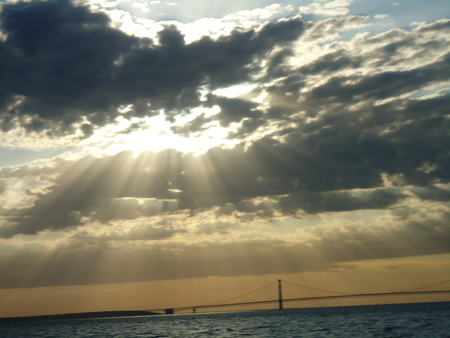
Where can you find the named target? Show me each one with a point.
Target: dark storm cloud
(383, 85)
(314, 166)
(233, 109)
(339, 85)
(341, 150)
(338, 201)
(124, 187)
(335, 152)
(59, 59)
(338, 92)
(343, 139)
(332, 62)
(432, 193)
(61, 62)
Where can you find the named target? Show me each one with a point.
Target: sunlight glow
(155, 134)
(234, 91)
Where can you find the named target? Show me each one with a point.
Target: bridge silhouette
(280, 300)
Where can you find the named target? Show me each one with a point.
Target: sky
(157, 154)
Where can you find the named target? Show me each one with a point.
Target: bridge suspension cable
(316, 289)
(346, 293)
(243, 295)
(427, 286)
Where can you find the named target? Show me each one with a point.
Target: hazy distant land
(84, 315)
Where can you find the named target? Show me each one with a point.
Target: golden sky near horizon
(170, 153)
(360, 277)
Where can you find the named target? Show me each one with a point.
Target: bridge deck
(402, 293)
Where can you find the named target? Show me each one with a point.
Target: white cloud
(246, 19)
(327, 8)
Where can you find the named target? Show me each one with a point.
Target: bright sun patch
(156, 133)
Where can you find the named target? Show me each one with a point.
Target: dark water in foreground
(403, 320)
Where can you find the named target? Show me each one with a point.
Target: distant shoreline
(83, 315)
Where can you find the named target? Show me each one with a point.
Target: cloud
(215, 227)
(153, 232)
(315, 248)
(233, 109)
(3, 186)
(327, 8)
(64, 66)
(433, 193)
(307, 168)
(381, 86)
(58, 58)
(339, 201)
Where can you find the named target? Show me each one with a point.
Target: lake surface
(400, 320)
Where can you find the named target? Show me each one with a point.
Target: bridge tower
(280, 295)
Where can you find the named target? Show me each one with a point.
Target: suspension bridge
(281, 301)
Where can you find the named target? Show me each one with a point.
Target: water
(402, 320)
